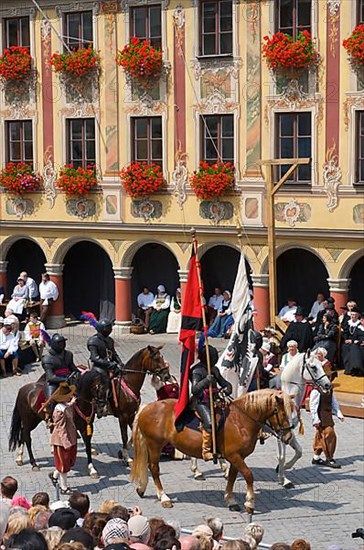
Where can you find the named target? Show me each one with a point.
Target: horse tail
(139, 469)
(15, 429)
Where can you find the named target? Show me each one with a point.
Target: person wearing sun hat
(116, 530)
(139, 529)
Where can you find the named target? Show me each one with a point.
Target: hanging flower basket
(76, 63)
(77, 182)
(285, 55)
(213, 180)
(354, 45)
(15, 64)
(141, 61)
(20, 178)
(141, 179)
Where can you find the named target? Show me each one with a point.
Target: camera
(358, 534)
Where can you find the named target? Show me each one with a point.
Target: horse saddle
(193, 422)
(37, 398)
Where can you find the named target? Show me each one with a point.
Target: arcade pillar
(122, 276)
(3, 278)
(261, 301)
(339, 290)
(55, 318)
(183, 274)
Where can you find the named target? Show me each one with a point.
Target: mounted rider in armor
(102, 350)
(200, 402)
(59, 366)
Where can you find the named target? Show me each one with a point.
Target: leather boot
(206, 446)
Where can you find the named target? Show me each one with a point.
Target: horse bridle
(314, 380)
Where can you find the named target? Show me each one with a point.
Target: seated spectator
(27, 539)
(256, 531)
(159, 316)
(288, 310)
(115, 530)
(48, 291)
(329, 309)
(175, 316)
(326, 336)
(300, 331)
(41, 499)
(292, 350)
(224, 318)
(31, 286)
(9, 344)
(139, 529)
(11, 318)
(33, 335)
(345, 317)
(80, 502)
(19, 297)
(145, 305)
(217, 527)
(317, 306)
(8, 488)
(214, 304)
(357, 350)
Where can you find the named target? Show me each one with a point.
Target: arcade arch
(24, 254)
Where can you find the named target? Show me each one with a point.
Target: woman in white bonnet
(159, 316)
(175, 315)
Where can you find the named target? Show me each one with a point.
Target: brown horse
(154, 427)
(92, 395)
(125, 395)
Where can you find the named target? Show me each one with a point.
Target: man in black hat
(102, 350)
(58, 365)
(300, 331)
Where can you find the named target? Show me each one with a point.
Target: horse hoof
(94, 475)
(288, 485)
(199, 477)
(140, 493)
(94, 452)
(167, 504)
(19, 462)
(248, 509)
(35, 468)
(234, 508)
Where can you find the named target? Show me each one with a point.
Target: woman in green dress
(159, 316)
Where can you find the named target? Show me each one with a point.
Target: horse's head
(154, 363)
(94, 387)
(313, 371)
(280, 417)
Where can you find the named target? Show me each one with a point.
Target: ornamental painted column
(339, 290)
(261, 300)
(183, 275)
(3, 277)
(56, 317)
(122, 277)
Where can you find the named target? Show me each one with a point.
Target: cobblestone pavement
(325, 506)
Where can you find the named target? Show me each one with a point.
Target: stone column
(55, 318)
(183, 274)
(122, 277)
(261, 300)
(339, 290)
(3, 277)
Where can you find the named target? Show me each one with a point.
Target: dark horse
(154, 427)
(92, 395)
(125, 395)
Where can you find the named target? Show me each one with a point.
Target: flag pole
(208, 360)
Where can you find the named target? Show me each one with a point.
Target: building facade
(216, 99)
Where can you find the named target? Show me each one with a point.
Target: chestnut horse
(154, 427)
(125, 395)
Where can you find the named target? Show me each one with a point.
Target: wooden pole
(208, 360)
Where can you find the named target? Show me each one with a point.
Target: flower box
(77, 182)
(76, 63)
(354, 45)
(285, 55)
(213, 180)
(15, 64)
(141, 61)
(20, 178)
(141, 179)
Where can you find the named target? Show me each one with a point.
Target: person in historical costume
(159, 316)
(200, 403)
(356, 360)
(166, 389)
(31, 286)
(19, 297)
(347, 337)
(326, 336)
(64, 440)
(345, 317)
(260, 378)
(48, 291)
(103, 355)
(145, 302)
(223, 319)
(300, 331)
(323, 406)
(287, 312)
(58, 365)
(9, 343)
(33, 335)
(175, 315)
(317, 306)
(329, 309)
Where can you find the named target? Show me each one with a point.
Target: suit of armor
(102, 350)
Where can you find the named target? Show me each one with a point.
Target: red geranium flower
(77, 181)
(20, 178)
(140, 179)
(282, 52)
(15, 63)
(77, 63)
(213, 180)
(354, 45)
(140, 59)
